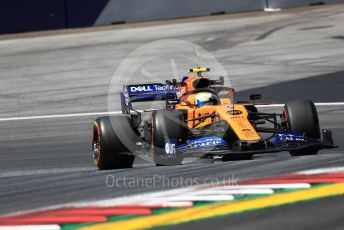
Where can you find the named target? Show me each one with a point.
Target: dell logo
(145, 88)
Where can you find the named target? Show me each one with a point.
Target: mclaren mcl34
(199, 118)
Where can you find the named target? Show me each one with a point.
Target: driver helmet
(203, 99)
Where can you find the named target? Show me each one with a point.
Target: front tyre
(301, 117)
(167, 131)
(109, 152)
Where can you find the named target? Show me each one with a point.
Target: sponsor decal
(234, 112)
(145, 88)
(170, 148)
(249, 133)
(242, 125)
(205, 142)
(289, 137)
(165, 88)
(154, 88)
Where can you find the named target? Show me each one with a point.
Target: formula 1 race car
(200, 119)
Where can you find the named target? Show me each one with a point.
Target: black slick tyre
(301, 117)
(167, 125)
(109, 151)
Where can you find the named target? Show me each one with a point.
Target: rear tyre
(167, 126)
(109, 152)
(301, 117)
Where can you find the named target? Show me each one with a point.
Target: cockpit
(207, 97)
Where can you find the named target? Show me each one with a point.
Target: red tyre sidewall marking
(286, 118)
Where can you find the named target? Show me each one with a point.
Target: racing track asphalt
(48, 161)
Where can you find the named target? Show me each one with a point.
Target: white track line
(317, 104)
(265, 186)
(31, 227)
(187, 197)
(322, 170)
(272, 9)
(44, 171)
(60, 116)
(329, 103)
(119, 112)
(177, 204)
(232, 192)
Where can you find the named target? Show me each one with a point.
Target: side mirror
(173, 102)
(255, 97)
(220, 81)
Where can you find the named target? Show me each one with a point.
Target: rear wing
(150, 92)
(146, 92)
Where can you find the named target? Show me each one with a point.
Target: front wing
(281, 142)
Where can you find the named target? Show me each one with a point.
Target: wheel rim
(96, 153)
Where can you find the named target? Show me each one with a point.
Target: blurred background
(32, 15)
